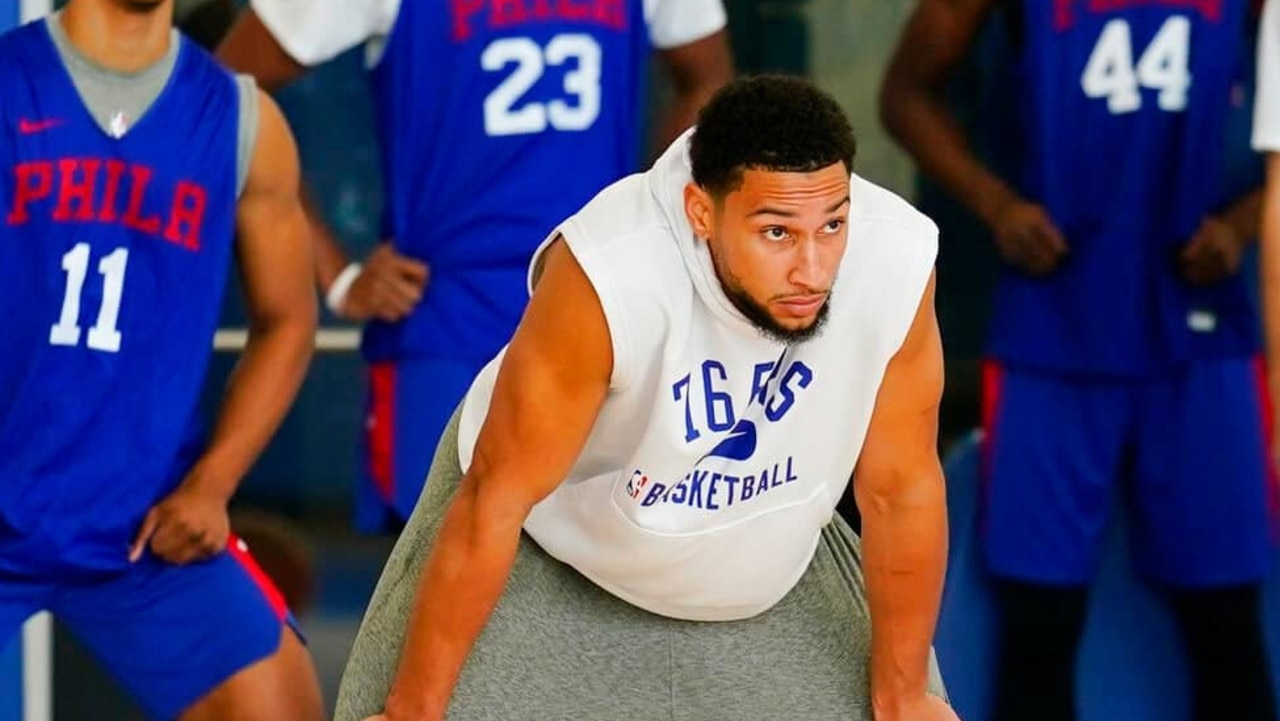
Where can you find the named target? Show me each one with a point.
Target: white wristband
(337, 294)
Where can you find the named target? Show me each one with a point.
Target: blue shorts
(169, 634)
(1190, 447)
(408, 403)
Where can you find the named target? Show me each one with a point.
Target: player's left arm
(901, 495)
(697, 66)
(275, 264)
(1217, 249)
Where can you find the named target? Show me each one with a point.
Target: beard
(759, 315)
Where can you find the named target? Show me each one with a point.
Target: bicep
(549, 390)
(272, 245)
(936, 38)
(903, 433)
(702, 63)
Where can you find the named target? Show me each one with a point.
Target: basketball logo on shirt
(119, 124)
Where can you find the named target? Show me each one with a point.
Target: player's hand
(191, 524)
(930, 708)
(1027, 239)
(1214, 253)
(388, 288)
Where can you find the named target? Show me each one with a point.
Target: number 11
(103, 336)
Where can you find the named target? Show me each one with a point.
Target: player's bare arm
(902, 497)
(274, 259)
(250, 48)
(697, 70)
(1217, 249)
(1269, 266)
(935, 41)
(388, 285)
(548, 393)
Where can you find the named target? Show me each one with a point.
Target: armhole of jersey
(700, 23)
(247, 133)
(610, 303)
(925, 255)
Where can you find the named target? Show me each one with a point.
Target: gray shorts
(558, 648)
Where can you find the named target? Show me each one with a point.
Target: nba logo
(636, 483)
(119, 124)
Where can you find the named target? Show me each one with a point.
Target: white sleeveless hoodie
(719, 454)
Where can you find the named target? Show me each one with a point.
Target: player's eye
(833, 226)
(775, 232)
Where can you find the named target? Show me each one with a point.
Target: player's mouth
(802, 306)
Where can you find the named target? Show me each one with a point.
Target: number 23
(501, 117)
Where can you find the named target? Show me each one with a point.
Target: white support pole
(37, 668)
(328, 340)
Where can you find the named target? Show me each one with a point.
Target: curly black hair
(768, 122)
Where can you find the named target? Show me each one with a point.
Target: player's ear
(699, 208)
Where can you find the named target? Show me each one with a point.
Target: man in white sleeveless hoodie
(631, 515)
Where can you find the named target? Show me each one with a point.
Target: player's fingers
(410, 270)
(386, 298)
(1038, 258)
(166, 542)
(403, 290)
(213, 543)
(1047, 235)
(202, 547)
(1197, 248)
(394, 303)
(148, 528)
(1203, 265)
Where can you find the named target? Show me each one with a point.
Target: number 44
(1112, 74)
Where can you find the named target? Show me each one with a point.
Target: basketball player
(711, 349)
(497, 120)
(1123, 342)
(133, 169)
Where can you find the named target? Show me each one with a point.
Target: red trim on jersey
(380, 429)
(239, 550)
(992, 394)
(1265, 407)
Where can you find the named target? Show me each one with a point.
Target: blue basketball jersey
(496, 124)
(113, 260)
(1119, 108)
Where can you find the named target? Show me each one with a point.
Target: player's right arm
(277, 41)
(1269, 265)
(1266, 138)
(937, 37)
(693, 47)
(548, 393)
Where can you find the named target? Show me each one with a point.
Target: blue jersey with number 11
(1121, 108)
(498, 120)
(114, 253)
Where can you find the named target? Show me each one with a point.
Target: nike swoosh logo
(739, 445)
(29, 127)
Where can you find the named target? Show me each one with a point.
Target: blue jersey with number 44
(497, 121)
(1120, 109)
(113, 258)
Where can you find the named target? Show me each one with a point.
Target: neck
(119, 35)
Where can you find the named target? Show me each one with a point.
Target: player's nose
(807, 269)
